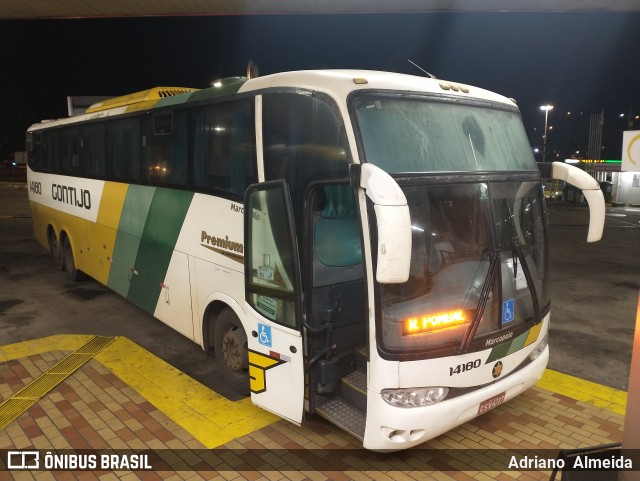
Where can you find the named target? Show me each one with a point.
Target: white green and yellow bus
(368, 246)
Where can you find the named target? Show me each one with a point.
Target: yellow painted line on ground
(61, 342)
(586, 391)
(209, 417)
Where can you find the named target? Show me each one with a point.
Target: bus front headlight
(414, 397)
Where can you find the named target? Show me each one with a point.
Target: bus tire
(73, 274)
(56, 250)
(231, 351)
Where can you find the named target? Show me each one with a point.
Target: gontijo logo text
(71, 195)
(65, 194)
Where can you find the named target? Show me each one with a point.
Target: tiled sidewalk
(95, 409)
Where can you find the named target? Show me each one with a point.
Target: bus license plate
(490, 403)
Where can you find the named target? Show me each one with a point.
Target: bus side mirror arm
(592, 192)
(393, 221)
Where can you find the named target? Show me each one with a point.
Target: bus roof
(342, 82)
(337, 83)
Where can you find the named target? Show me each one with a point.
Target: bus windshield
(407, 134)
(478, 266)
(479, 250)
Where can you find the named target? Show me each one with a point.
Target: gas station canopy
(36, 9)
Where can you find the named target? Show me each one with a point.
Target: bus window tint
(164, 148)
(224, 154)
(50, 150)
(92, 150)
(36, 152)
(123, 149)
(304, 141)
(69, 157)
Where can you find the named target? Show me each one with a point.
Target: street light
(546, 109)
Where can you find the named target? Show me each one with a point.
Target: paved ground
(106, 405)
(594, 293)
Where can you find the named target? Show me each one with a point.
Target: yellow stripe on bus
(113, 195)
(533, 334)
(102, 233)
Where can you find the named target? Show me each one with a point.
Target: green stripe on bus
(162, 227)
(518, 343)
(125, 250)
(507, 348)
(499, 352)
(135, 210)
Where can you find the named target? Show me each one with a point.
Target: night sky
(579, 62)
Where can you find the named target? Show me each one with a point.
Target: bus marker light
(434, 322)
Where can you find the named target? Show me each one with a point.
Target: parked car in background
(553, 189)
(16, 159)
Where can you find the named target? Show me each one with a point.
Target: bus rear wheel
(232, 355)
(56, 250)
(73, 274)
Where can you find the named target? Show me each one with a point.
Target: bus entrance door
(273, 302)
(336, 307)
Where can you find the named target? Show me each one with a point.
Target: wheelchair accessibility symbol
(508, 313)
(264, 335)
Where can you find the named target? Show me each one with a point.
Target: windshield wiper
(487, 287)
(516, 249)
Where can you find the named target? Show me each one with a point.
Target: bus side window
(92, 150)
(123, 149)
(337, 240)
(69, 156)
(224, 154)
(51, 151)
(304, 141)
(34, 150)
(164, 148)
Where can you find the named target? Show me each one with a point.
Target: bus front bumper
(392, 428)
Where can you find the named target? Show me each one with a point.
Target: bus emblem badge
(497, 369)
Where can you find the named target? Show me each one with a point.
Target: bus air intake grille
(172, 92)
(130, 100)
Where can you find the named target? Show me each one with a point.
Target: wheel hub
(233, 348)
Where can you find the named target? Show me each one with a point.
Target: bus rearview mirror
(592, 192)
(394, 224)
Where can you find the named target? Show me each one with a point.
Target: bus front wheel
(232, 356)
